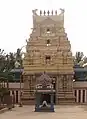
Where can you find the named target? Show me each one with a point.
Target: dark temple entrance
(45, 97)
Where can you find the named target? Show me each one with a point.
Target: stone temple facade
(48, 50)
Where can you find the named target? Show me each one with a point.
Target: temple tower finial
(52, 12)
(40, 12)
(48, 12)
(44, 12)
(56, 12)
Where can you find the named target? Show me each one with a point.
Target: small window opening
(48, 30)
(48, 59)
(48, 42)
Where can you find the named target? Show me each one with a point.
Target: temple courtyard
(61, 112)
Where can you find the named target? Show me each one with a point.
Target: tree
(2, 60)
(4, 89)
(6, 65)
(12, 60)
(85, 59)
(7, 61)
(78, 57)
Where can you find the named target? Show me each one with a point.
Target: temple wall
(79, 89)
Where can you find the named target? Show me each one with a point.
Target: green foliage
(7, 61)
(3, 91)
(79, 57)
(6, 76)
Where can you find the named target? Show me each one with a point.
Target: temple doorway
(45, 97)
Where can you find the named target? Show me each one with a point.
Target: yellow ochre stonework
(48, 50)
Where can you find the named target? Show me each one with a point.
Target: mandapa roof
(80, 69)
(17, 70)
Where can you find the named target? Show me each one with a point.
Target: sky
(16, 22)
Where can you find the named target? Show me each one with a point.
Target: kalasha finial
(44, 12)
(52, 12)
(56, 12)
(48, 12)
(40, 12)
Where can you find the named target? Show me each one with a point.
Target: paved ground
(61, 112)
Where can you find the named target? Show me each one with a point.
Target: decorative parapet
(47, 13)
(40, 16)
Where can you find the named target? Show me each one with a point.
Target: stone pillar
(57, 88)
(10, 92)
(65, 83)
(51, 99)
(85, 96)
(65, 94)
(18, 96)
(81, 96)
(70, 82)
(77, 96)
(52, 105)
(26, 82)
(27, 98)
(60, 84)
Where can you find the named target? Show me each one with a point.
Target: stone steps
(27, 99)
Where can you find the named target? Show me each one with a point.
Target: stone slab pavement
(61, 112)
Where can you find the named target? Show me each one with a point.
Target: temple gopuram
(48, 50)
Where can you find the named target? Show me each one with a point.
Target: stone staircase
(27, 98)
(65, 98)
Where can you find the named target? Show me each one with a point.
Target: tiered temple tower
(48, 50)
